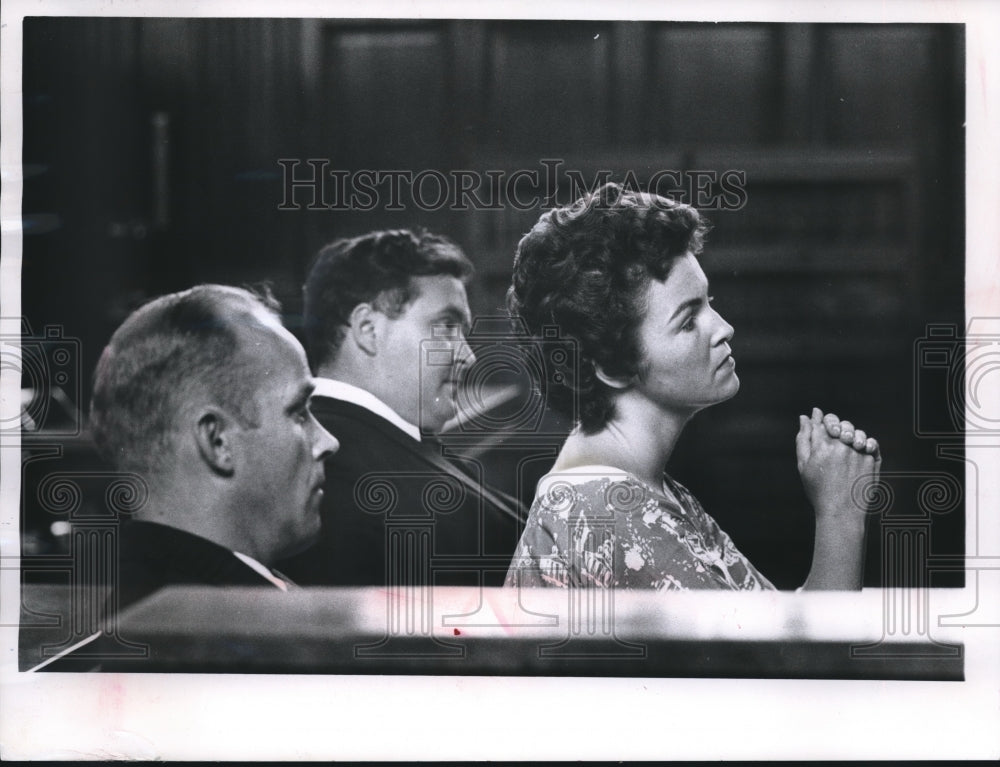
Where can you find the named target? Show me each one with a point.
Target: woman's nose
(725, 331)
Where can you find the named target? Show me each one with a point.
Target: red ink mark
(457, 632)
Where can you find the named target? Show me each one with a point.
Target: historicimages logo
(312, 184)
(50, 388)
(506, 390)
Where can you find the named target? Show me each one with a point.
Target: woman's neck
(639, 440)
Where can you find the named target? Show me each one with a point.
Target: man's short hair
(167, 352)
(376, 268)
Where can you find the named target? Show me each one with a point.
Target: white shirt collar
(328, 387)
(263, 570)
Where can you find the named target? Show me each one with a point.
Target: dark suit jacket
(385, 489)
(151, 556)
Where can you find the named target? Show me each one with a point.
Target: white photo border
(229, 717)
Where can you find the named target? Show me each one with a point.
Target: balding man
(206, 396)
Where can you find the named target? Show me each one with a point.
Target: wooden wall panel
(712, 83)
(549, 87)
(860, 61)
(387, 94)
(855, 212)
(86, 248)
(233, 110)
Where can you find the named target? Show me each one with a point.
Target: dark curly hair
(377, 267)
(584, 269)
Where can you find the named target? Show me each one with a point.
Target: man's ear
(213, 433)
(611, 381)
(365, 327)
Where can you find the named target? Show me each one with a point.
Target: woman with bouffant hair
(617, 273)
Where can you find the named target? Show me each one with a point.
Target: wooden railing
(871, 634)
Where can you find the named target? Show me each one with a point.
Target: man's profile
(374, 305)
(205, 395)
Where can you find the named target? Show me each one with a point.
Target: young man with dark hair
(395, 510)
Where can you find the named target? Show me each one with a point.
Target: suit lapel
(501, 500)
(429, 451)
(193, 554)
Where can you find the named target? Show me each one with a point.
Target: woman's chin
(731, 389)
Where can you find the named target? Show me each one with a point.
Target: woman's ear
(363, 328)
(612, 382)
(213, 433)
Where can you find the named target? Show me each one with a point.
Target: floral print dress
(602, 527)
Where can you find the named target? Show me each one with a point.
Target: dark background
(151, 151)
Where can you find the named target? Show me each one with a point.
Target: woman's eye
(688, 324)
